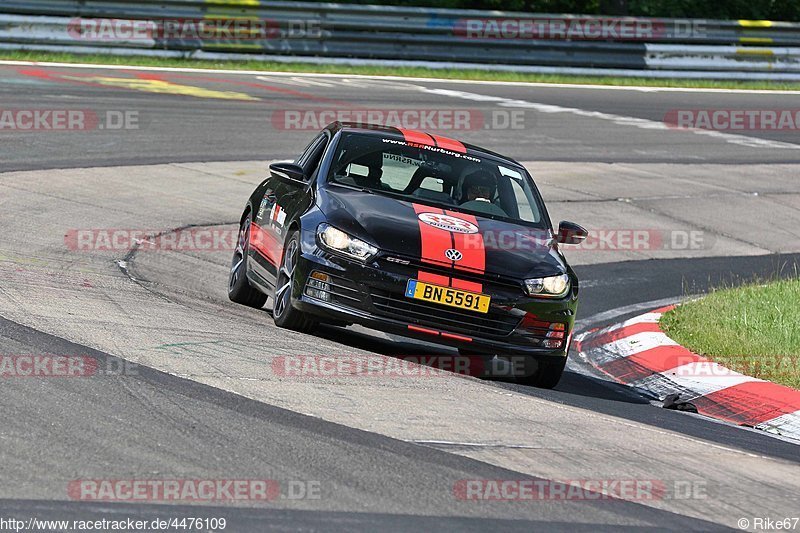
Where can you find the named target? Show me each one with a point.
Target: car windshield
(433, 176)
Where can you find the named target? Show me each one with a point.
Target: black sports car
(414, 234)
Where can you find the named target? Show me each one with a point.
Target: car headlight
(339, 241)
(550, 287)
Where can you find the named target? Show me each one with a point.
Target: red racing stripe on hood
(473, 254)
(434, 242)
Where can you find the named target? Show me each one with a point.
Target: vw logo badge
(453, 255)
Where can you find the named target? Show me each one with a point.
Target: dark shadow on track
(175, 428)
(652, 280)
(594, 394)
(571, 383)
(643, 281)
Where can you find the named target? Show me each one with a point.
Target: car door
(281, 204)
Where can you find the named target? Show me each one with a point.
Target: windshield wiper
(353, 187)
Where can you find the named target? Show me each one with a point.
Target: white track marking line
(404, 78)
(698, 378)
(474, 444)
(649, 318)
(611, 314)
(298, 81)
(621, 120)
(638, 343)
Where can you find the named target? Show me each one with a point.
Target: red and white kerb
(637, 353)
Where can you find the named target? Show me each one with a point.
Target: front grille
(414, 265)
(491, 324)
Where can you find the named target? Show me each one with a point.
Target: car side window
(310, 158)
(316, 156)
(515, 198)
(307, 150)
(523, 202)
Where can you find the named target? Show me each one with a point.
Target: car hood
(421, 232)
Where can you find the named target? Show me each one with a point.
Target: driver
(479, 186)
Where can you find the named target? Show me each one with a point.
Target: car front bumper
(373, 295)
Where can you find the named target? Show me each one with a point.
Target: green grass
(461, 74)
(753, 329)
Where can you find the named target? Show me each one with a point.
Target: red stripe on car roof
(417, 137)
(429, 139)
(449, 144)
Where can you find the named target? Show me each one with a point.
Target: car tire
(283, 313)
(544, 373)
(239, 288)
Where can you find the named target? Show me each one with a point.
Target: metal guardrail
(437, 36)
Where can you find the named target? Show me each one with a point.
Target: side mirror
(570, 233)
(289, 172)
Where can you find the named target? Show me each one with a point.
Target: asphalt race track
(198, 398)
